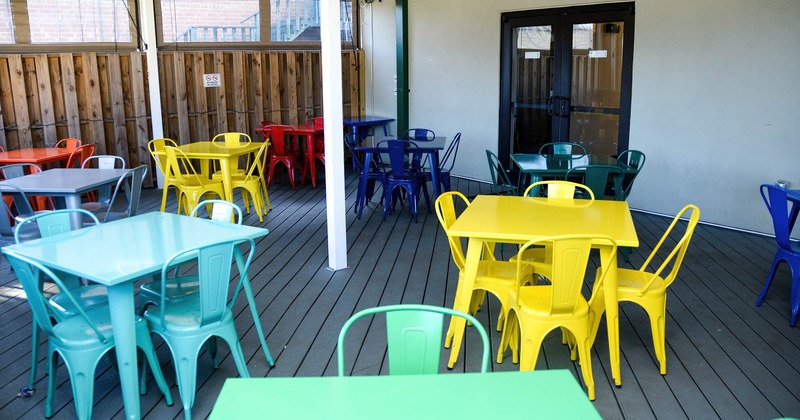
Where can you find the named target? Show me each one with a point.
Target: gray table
(66, 184)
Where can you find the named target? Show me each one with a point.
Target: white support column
(148, 34)
(331, 61)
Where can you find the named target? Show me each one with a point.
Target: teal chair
(80, 340)
(562, 148)
(633, 159)
(186, 324)
(414, 337)
(501, 184)
(62, 305)
(597, 178)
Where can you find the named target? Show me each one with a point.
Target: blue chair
(80, 340)
(375, 173)
(777, 200)
(401, 177)
(445, 165)
(185, 325)
(418, 134)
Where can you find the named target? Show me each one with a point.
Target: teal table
(116, 254)
(547, 394)
(536, 167)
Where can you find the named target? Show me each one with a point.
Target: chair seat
(177, 288)
(535, 301)
(88, 297)
(76, 331)
(183, 316)
(631, 282)
(95, 206)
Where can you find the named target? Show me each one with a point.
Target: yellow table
(509, 219)
(228, 158)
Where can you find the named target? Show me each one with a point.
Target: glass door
(565, 76)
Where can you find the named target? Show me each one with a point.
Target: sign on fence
(212, 80)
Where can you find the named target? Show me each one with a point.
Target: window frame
(22, 35)
(263, 44)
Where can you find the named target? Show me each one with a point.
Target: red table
(39, 155)
(310, 132)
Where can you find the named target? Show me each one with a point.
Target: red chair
(79, 155)
(281, 150)
(318, 152)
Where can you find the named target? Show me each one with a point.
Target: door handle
(563, 105)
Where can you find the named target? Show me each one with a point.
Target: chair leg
(81, 376)
(144, 342)
(771, 275)
(657, 311)
(584, 345)
(34, 354)
(51, 382)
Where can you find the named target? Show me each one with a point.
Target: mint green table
(546, 394)
(116, 254)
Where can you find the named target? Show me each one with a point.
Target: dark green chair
(414, 337)
(501, 183)
(633, 159)
(597, 177)
(562, 148)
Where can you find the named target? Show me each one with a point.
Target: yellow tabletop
(511, 219)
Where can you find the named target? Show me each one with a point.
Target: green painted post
(402, 65)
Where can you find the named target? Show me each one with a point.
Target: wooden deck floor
(726, 357)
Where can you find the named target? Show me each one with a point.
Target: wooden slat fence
(103, 98)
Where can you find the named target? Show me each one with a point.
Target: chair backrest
(214, 274)
(105, 162)
(558, 190)
(777, 201)
(597, 177)
(633, 159)
(449, 158)
(414, 337)
(79, 155)
(418, 134)
(53, 222)
(570, 257)
(674, 260)
(131, 185)
(445, 207)
(28, 272)
(221, 211)
(562, 148)
(277, 137)
(17, 170)
(397, 156)
(22, 206)
(316, 122)
(232, 139)
(501, 184)
(69, 143)
(157, 145)
(180, 167)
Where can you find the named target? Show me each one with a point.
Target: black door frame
(617, 12)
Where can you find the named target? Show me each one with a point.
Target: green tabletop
(558, 165)
(501, 395)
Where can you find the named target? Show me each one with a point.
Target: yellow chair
(534, 311)
(558, 190)
(192, 186)
(253, 182)
(231, 139)
(649, 289)
(155, 147)
(495, 277)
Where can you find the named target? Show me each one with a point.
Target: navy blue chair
(418, 134)
(375, 173)
(410, 180)
(777, 200)
(445, 165)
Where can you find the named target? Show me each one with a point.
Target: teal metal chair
(80, 340)
(562, 148)
(62, 305)
(633, 159)
(414, 337)
(185, 325)
(501, 184)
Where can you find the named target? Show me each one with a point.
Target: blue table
(361, 126)
(116, 254)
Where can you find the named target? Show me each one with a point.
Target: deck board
(726, 357)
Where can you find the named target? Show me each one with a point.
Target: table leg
(463, 297)
(73, 201)
(433, 159)
(120, 298)
(608, 260)
(361, 197)
(244, 281)
(310, 151)
(227, 179)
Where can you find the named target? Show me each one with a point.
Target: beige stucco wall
(715, 102)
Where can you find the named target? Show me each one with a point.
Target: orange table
(38, 155)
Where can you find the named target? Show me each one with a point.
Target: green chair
(633, 159)
(597, 177)
(501, 184)
(414, 337)
(80, 340)
(62, 305)
(562, 148)
(186, 324)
